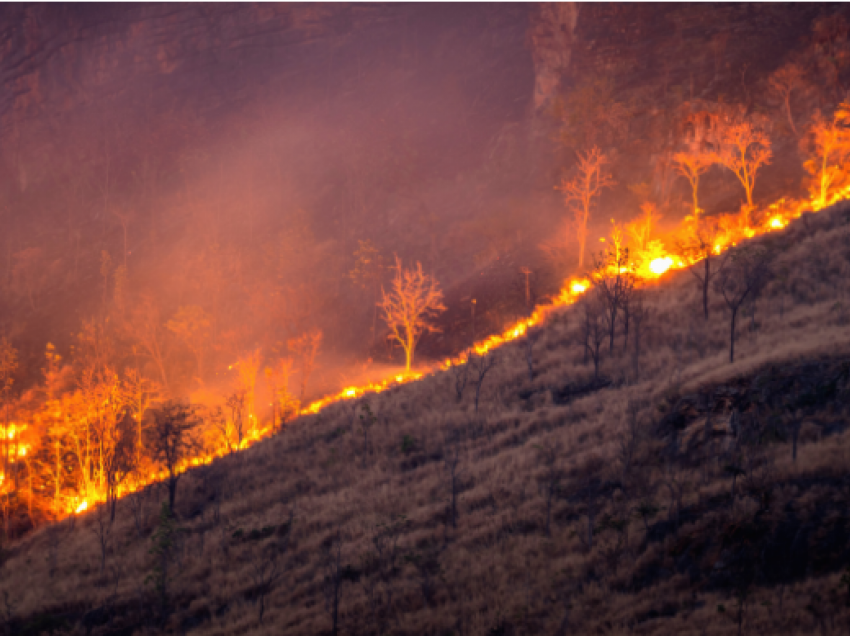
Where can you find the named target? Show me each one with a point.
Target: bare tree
(333, 580)
(783, 82)
(409, 307)
(592, 178)
(265, 573)
(172, 441)
(613, 277)
(593, 328)
(532, 335)
(460, 371)
(267, 569)
(481, 365)
(700, 248)
(692, 165)
(745, 149)
(745, 277)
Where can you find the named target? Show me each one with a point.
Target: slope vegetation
(677, 493)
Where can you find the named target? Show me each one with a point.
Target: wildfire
(660, 265)
(654, 261)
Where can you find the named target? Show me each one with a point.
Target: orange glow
(660, 265)
(651, 261)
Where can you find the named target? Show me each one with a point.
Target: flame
(652, 262)
(660, 265)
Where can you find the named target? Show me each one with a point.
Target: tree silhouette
(410, 305)
(172, 441)
(592, 177)
(742, 279)
(613, 276)
(783, 83)
(700, 248)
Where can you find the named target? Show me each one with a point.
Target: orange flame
(653, 262)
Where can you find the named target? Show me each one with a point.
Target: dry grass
(497, 572)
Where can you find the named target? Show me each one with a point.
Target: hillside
(694, 497)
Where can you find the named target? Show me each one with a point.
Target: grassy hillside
(671, 500)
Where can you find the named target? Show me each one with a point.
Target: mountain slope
(674, 501)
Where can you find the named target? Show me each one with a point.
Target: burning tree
(102, 438)
(744, 149)
(614, 277)
(641, 229)
(247, 368)
(579, 193)
(284, 404)
(743, 279)
(8, 366)
(409, 306)
(828, 145)
(692, 165)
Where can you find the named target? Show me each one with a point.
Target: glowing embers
(579, 287)
(82, 507)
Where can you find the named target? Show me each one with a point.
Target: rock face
(551, 33)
